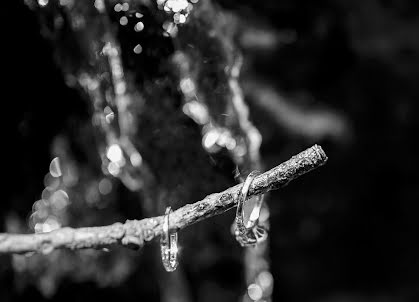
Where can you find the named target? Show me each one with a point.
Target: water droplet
(43, 2)
(59, 200)
(255, 292)
(176, 5)
(223, 138)
(210, 139)
(105, 186)
(231, 144)
(114, 153)
(138, 49)
(136, 159)
(265, 280)
(100, 5)
(40, 204)
(42, 213)
(197, 112)
(182, 18)
(120, 88)
(113, 168)
(123, 21)
(55, 167)
(125, 7)
(117, 7)
(50, 182)
(187, 86)
(46, 193)
(240, 150)
(139, 26)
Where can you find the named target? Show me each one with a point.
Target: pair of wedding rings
(249, 234)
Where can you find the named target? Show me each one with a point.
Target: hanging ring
(252, 233)
(168, 244)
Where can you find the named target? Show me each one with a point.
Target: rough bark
(137, 232)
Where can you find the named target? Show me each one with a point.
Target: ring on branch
(252, 233)
(168, 244)
(138, 232)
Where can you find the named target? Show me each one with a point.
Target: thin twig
(137, 232)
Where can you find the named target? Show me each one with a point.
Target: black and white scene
(210, 151)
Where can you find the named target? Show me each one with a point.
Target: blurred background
(115, 110)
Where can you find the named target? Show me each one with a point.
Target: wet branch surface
(135, 233)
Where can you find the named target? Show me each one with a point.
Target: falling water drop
(43, 2)
(138, 49)
(105, 186)
(136, 159)
(59, 200)
(55, 167)
(113, 169)
(123, 21)
(51, 182)
(114, 153)
(209, 140)
(125, 7)
(100, 5)
(139, 26)
(182, 18)
(255, 292)
(265, 280)
(117, 7)
(39, 205)
(47, 192)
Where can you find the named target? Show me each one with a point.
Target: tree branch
(137, 232)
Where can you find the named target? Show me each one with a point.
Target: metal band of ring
(252, 233)
(168, 244)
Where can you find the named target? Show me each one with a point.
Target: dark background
(347, 231)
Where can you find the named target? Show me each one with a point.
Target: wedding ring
(252, 233)
(168, 244)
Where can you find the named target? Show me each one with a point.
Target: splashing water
(225, 124)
